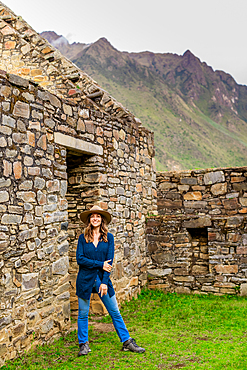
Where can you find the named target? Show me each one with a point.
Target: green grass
(178, 331)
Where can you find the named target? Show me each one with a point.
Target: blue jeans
(113, 310)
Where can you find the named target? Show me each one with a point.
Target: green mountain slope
(198, 116)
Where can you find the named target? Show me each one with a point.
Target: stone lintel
(77, 144)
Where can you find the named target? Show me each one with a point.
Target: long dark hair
(88, 232)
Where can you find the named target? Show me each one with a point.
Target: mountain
(61, 43)
(199, 116)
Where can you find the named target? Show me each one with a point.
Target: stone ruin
(66, 144)
(198, 241)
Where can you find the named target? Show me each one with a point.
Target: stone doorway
(84, 189)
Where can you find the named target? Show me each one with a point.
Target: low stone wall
(198, 243)
(206, 192)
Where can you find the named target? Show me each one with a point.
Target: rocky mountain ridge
(199, 116)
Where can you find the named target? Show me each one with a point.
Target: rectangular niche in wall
(199, 260)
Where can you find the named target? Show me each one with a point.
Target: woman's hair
(88, 232)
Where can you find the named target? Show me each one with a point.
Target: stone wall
(198, 243)
(45, 142)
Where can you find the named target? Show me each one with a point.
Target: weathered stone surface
(11, 219)
(55, 217)
(63, 188)
(19, 81)
(39, 183)
(20, 138)
(42, 142)
(195, 204)
(134, 281)
(194, 195)
(80, 125)
(213, 177)
(234, 221)
(218, 189)
(50, 123)
(226, 269)
(167, 186)
(5, 91)
(3, 142)
(199, 270)
(54, 100)
(5, 183)
(29, 281)
(47, 326)
(4, 321)
(159, 272)
(84, 113)
(243, 289)
(53, 186)
(188, 181)
(230, 203)
(243, 202)
(18, 330)
(17, 168)
(77, 144)
(67, 109)
(28, 234)
(63, 248)
(60, 267)
(28, 256)
(182, 290)
(26, 196)
(166, 203)
(8, 121)
(21, 109)
(198, 222)
(4, 196)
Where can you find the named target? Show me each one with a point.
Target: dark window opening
(199, 263)
(199, 233)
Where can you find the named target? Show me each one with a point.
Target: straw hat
(95, 209)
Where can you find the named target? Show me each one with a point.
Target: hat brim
(84, 215)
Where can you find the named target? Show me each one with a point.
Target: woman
(94, 255)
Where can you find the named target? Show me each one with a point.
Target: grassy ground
(178, 331)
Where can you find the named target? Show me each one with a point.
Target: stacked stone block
(198, 242)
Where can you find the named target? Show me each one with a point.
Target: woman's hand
(102, 289)
(107, 267)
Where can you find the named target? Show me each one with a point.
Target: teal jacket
(91, 260)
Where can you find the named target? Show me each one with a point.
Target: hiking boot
(130, 345)
(84, 349)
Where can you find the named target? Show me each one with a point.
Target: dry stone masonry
(198, 243)
(58, 158)
(65, 144)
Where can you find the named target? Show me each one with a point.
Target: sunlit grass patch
(178, 331)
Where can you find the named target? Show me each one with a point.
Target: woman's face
(95, 219)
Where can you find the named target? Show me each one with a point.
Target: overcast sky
(213, 30)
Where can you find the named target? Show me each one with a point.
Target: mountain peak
(187, 53)
(51, 36)
(103, 42)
